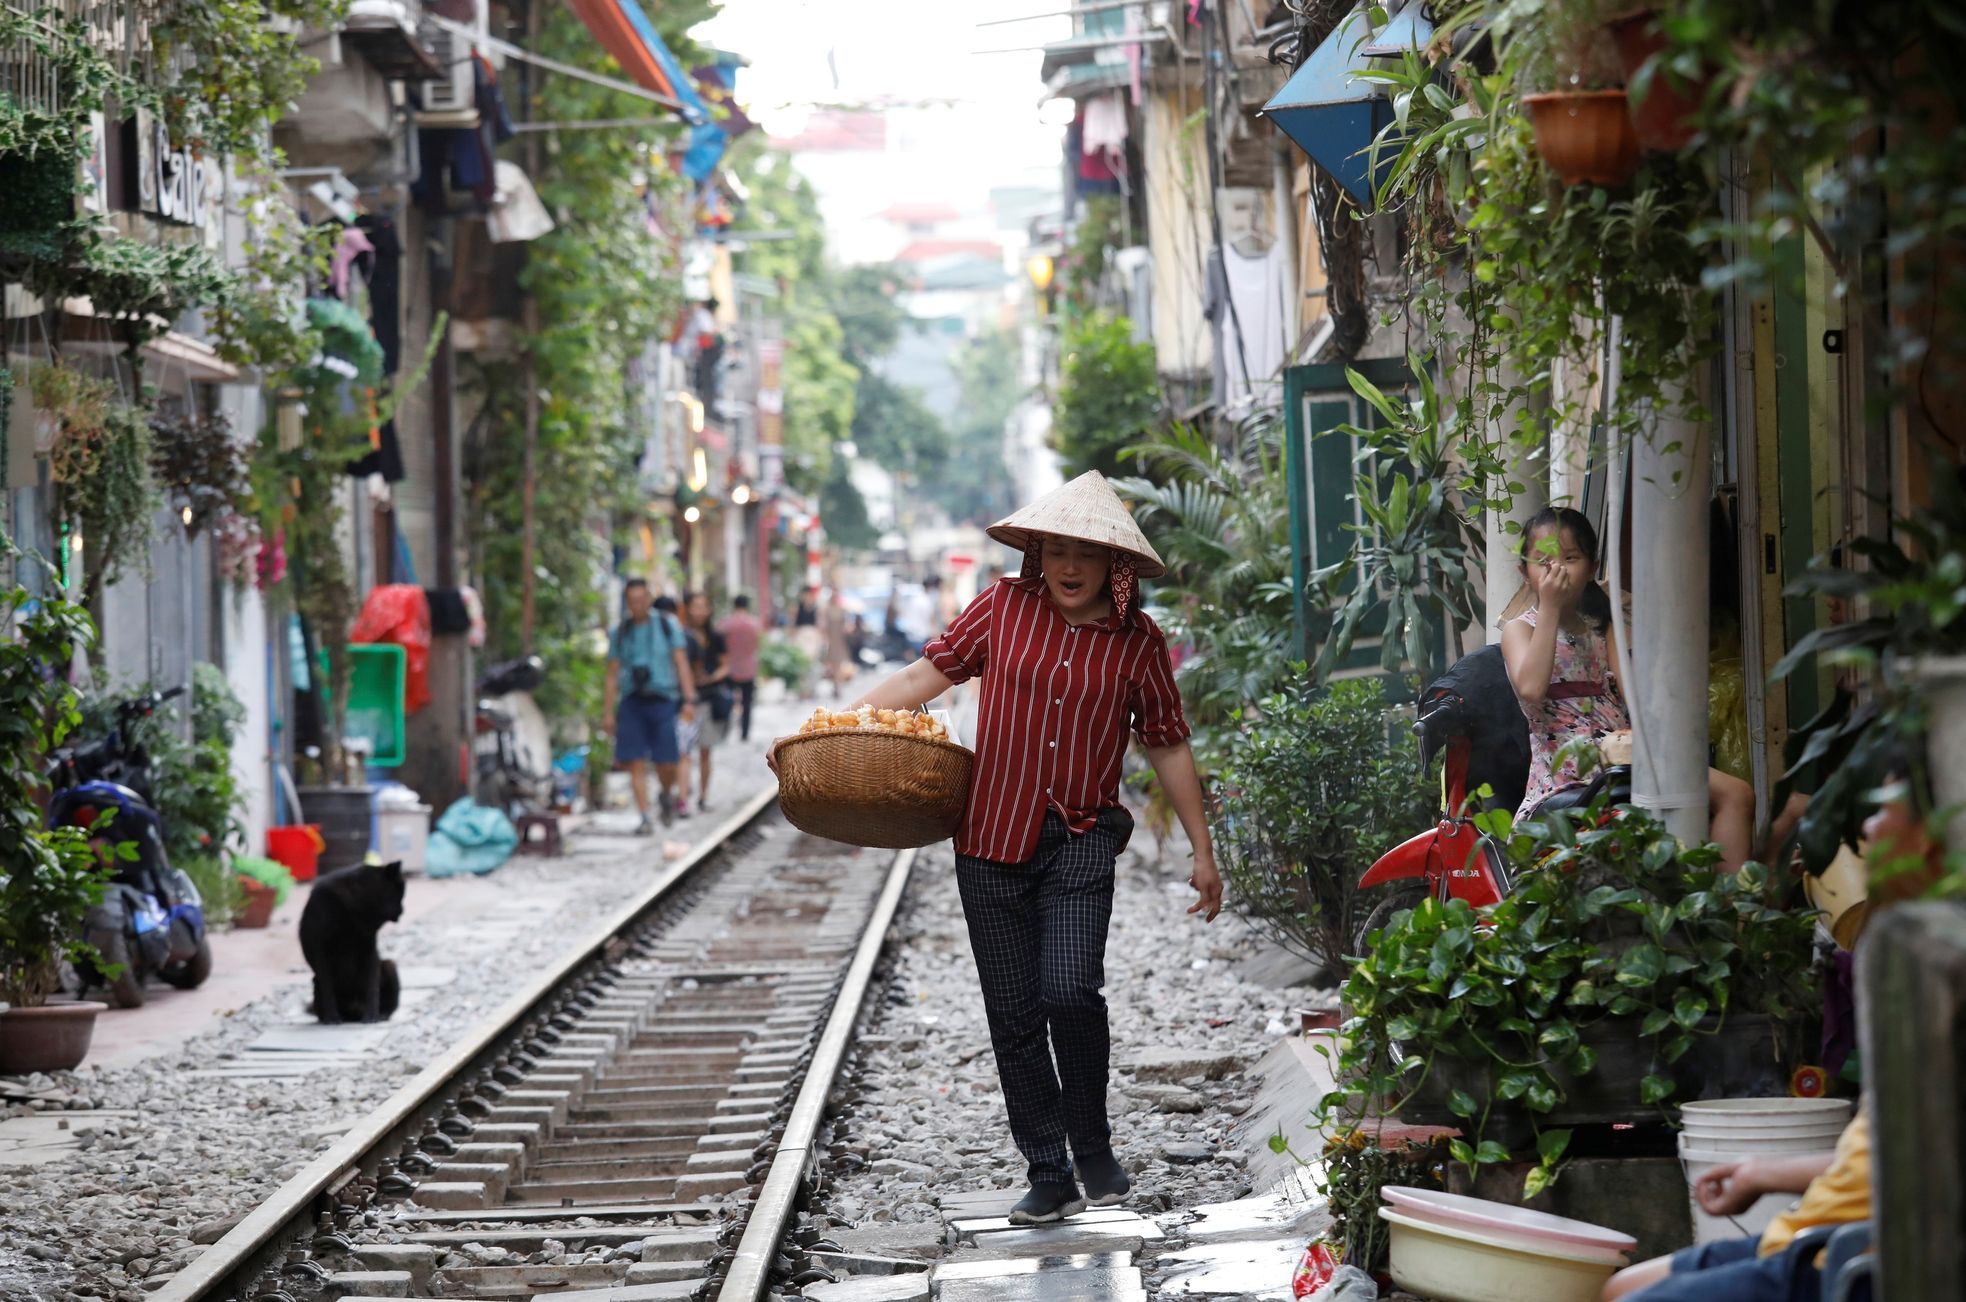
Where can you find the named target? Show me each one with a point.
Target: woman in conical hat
(1069, 665)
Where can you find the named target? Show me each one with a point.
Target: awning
(625, 32)
(1333, 114)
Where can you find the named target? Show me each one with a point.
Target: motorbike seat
(1615, 781)
(1474, 699)
(499, 718)
(521, 675)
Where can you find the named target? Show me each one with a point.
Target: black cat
(345, 910)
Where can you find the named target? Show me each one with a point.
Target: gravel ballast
(923, 1116)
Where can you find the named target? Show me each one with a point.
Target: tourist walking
(711, 666)
(650, 650)
(743, 634)
(1068, 664)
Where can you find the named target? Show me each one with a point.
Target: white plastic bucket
(1746, 1116)
(1703, 1146)
(1720, 1131)
(1711, 1229)
(403, 832)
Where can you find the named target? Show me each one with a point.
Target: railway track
(637, 1124)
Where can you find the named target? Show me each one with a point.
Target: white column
(1529, 468)
(1668, 687)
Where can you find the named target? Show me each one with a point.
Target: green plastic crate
(376, 684)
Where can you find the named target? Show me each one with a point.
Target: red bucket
(298, 847)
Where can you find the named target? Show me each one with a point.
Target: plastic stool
(549, 843)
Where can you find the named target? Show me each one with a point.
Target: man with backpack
(649, 650)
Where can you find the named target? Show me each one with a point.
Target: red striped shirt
(1057, 701)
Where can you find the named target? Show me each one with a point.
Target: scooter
(1470, 715)
(151, 920)
(504, 779)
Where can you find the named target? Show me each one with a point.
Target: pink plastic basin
(1508, 1221)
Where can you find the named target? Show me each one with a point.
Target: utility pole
(529, 486)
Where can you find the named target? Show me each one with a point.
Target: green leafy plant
(1517, 278)
(1911, 589)
(1108, 397)
(192, 783)
(100, 464)
(1357, 1165)
(1612, 929)
(199, 465)
(786, 661)
(1220, 518)
(217, 884)
(48, 877)
(1420, 550)
(1313, 785)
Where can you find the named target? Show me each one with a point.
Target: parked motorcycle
(1470, 714)
(151, 920)
(505, 780)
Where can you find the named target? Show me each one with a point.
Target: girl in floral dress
(1560, 656)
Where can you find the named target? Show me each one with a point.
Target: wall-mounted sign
(173, 183)
(92, 162)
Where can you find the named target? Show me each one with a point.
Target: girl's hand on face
(1554, 584)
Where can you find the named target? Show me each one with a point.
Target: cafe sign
(174, 184)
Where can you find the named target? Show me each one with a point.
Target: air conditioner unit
(452, 99)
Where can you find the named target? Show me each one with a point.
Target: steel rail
(262, 1228)
(750, 1268)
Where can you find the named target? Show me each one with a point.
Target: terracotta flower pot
(1665, 119)
(1585, 136)
(53, 1038)
(258, 908)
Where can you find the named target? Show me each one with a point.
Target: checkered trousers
(1038, 931)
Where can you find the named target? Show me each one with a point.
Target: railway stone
(704, 1185)
(453, 1195)
(871, 1288)
(417, 1260)
(1168, 1098)
(492, 1177)
(679, 1245)
(371, 1283)
(1173, 1066)
(528, 1135)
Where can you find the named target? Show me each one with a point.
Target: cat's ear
(393, 871)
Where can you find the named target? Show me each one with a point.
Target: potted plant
(1899, 620)
(48, 877)
(1614, 977)
(1666, 86)
(1579, 112)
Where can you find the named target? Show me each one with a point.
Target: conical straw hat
(1087, 509)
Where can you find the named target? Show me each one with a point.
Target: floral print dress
(1583, 701)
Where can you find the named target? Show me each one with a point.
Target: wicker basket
(874, 788)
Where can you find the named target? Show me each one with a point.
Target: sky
(967, 120)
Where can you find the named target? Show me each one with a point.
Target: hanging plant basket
(1585, 137)
(1665, 119)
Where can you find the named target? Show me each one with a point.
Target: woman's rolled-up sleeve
(961, 652)
(1156, 706)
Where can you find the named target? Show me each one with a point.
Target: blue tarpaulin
(470, 838)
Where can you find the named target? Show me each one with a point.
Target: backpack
(649, 691)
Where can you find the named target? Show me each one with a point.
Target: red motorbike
(1470, 715)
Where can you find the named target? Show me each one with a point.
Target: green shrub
(1313, 786)
(218, 886)
(1611, 920)
(784, 660)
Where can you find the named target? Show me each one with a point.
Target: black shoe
(1047, 1203)
(1105, 1179)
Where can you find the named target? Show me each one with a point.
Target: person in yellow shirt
(1904, 862)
